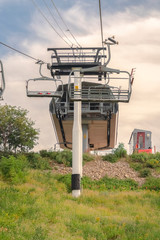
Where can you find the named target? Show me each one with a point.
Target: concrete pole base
(76, 193)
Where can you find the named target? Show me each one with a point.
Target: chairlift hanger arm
(109, 42)
(40, 68)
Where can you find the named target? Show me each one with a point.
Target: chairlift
(50, 93)
(102, 92)
(2, 79)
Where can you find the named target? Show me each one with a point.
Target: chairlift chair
(102, 92)
(49, 93)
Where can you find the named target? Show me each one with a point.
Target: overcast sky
(136, 26)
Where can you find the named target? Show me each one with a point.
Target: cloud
(139, 47)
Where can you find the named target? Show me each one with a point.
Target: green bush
(120, 151)
(6, 154)
(139, 157)
(64, 157)
(87, 157)
(136, 166)
(37, 162)
(152, 163)
(49, 154)
(144, 172)
(110, 158)
(152, 184)
(157, 156)
(14, 169)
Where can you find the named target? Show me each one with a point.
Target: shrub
(6, 154)
(64, 157)
(37, 162)
(152, 184)
(120, 151)
(14, 169)
(136, 166)
(144, 172)
(110, 158)
(49, 154)
(152, 163)
(87, 157)
(139, 157)
(157, 156)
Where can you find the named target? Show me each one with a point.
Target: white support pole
(77, 138)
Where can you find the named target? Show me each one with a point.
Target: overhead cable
(35, 4)
(65, 24)
(100, 14)
(14, 49)
(56, 21)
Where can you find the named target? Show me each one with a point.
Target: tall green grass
(42, 209)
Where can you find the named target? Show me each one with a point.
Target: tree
(16, 130)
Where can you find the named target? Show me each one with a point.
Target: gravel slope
(98, 169)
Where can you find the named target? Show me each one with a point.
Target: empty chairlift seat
(33, 87)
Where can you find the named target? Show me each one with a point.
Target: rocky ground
(98, 169)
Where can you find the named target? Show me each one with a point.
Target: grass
(42, 209)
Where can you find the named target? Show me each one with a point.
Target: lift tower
(82, 65)
(88, 103)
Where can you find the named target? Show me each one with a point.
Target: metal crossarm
(64, 59)
(38, 93)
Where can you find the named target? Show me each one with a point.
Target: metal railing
(116, 89)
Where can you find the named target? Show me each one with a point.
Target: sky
(135, 25)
